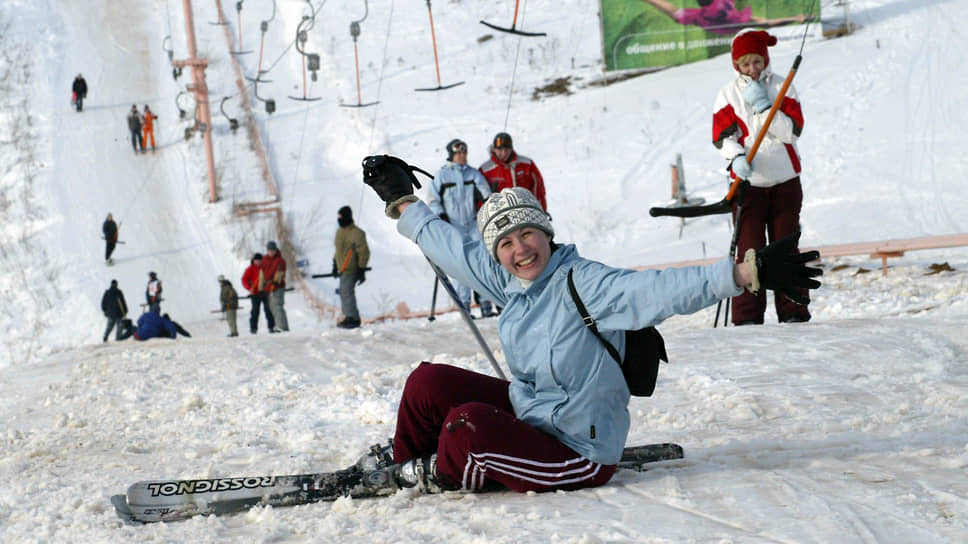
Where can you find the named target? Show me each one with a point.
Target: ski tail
(635, 457)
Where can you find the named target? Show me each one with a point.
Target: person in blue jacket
(455, 194)
(562, 420)
(152, 324)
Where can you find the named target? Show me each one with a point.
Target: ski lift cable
(379, 89)
(379, 83)
(514, 72)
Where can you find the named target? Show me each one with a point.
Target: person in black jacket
(115, 309)
(134, 125)
(110, 230)
(79, 88)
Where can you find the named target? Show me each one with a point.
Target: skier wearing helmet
(455, 194)
(506, 168)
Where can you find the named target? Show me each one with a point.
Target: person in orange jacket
(149, 127)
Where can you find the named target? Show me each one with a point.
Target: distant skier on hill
(110, 230)
(79, 92)
(149, 128)
(134, 125)
(153, 292)
(115, 309)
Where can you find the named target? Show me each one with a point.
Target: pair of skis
(172, 500)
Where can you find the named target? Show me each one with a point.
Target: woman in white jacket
(772, 202)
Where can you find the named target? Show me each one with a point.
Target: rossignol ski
(172, 500)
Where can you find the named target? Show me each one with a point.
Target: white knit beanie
(511, 209)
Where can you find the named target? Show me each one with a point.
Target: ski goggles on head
(502, 143)
(459, 147)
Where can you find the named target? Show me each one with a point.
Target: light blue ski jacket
(452, 192)
(563, 381)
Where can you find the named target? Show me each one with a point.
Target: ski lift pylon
(433, 37)
(238, 18)
(514, 22)
(355, 33)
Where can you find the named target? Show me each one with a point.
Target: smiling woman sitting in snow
(562, 420)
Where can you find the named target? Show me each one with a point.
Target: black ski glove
(335, 269)
(361, 278)
(445, 217)
(392, 179)
(778, 268)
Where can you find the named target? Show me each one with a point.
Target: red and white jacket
(735, 127)
(520, 171)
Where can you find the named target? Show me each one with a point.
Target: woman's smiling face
(524, 252)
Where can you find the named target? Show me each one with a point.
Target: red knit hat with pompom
(752, 41)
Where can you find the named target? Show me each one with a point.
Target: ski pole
(433, 300)
(467, 317)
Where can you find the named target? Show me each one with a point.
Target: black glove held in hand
(392, 179)
(335, 269)
(778, 268)
(361, 278)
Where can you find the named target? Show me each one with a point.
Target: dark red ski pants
(467, 419)
(770, 212)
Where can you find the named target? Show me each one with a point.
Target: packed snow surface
(850, 428)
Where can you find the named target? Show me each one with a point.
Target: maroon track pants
(467, 419)
(774, 212)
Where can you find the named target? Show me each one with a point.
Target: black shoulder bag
(643, 350)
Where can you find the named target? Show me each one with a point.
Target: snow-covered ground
(848, 429)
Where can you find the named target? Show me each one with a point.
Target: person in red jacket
(250, 280)
(273, 282)
(506, 169)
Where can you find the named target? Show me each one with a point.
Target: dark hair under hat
(272, 246)
(256, 256)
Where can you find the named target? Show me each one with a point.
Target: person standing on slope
(115, 309)
(562, 420)
(772, 202)
(110, 230)
(353, 255)
(252, 281)
(134, 126)
(149, 128)
(79, 92)
(506, 169)
(455, 194)
(153, 293)
(230, 304)
(273, 282)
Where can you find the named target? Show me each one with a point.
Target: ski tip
(120, 503)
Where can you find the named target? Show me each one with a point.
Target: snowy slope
(847, 429)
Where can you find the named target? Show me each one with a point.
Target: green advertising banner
(657, 33)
